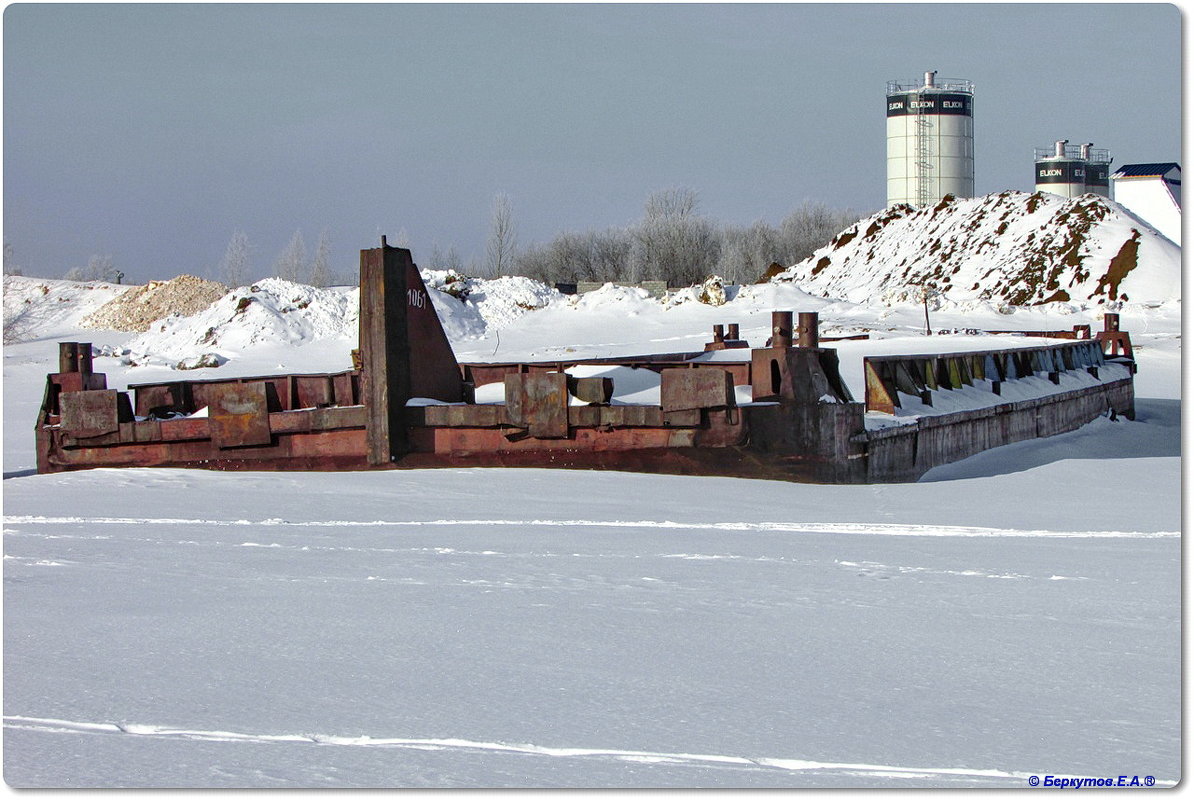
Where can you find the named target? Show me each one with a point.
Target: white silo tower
(1061, 171)
(1072, 170)
(930, 140)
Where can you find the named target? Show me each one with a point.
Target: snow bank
(498, 302)
(273, 311)
(41, 307)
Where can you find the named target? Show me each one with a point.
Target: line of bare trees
(672, 242)
(235, 268)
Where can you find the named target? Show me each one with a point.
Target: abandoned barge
(780, 411)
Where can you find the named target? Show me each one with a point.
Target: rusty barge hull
(408, 404)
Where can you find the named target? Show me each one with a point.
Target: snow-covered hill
(1011, 247)
(35, 307)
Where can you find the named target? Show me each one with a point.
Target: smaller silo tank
(1060, 170)
(1098, 169)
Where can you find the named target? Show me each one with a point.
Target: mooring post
(781, 329)
(1110, 321)
(68, 357)
(84, 355)
(719, 333)
(733, 332)
(385, 352)
(807, 330)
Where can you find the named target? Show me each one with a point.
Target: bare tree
(20, 325)
(320, 271)
(746, 253)
(673, 243)
(99, 268)
(611, 254)
(439, 260)
(10, 266)
(452, 260)
(501, 246)
(234, 267)
(290, 264)
(672, 204)
(811, 226)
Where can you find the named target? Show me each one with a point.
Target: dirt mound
(136, 309)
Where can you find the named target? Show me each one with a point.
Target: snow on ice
(1011, 615)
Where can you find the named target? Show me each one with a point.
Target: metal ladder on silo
(924, 166)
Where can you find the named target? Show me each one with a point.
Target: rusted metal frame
(927, 367)
(596, 389)
(1077, 332)
(830, 370)
(904, 380)
(953, 370)
(496, 416)
(964, 376)
(93, 413)
(321, 450)
(481, 373)
(329, 418)
(1115, 343)
(286, 392)
(312, 392)
(726, 338)
(972, 353)
(687, 396)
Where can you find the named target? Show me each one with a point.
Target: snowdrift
(1012, 248)
(37, 307)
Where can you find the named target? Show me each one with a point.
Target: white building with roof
(1153, 192)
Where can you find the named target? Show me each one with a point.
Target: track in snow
(886, 529)
(53, 725)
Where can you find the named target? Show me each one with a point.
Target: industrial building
(930, 140)
(1152, 192)
(1072, 170)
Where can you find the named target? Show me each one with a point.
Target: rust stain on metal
(90, 413)
(238, 415)
(880, 395)
(538, 402)
(593, 389)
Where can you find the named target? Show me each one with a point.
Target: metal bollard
(781, 329)
(68, 357)
(84, 355)
(807, 331)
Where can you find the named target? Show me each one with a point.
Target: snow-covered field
(1013, 615)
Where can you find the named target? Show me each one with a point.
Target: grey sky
(151, 132)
